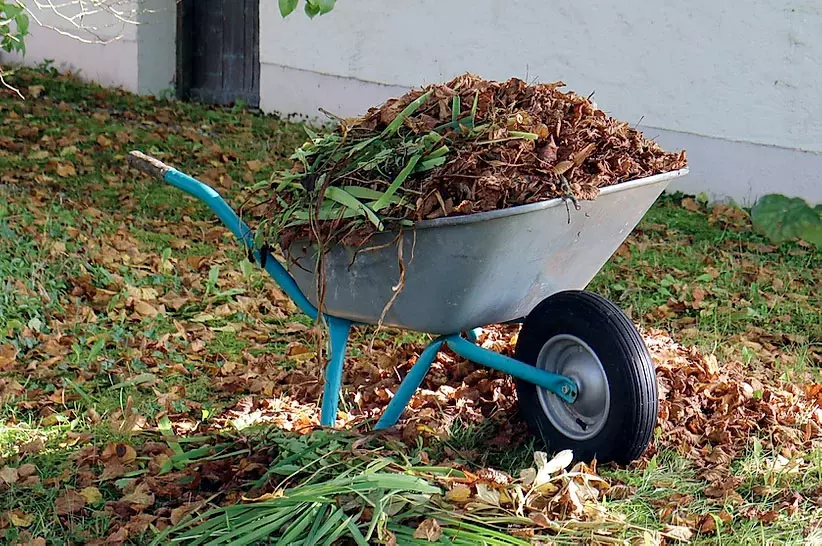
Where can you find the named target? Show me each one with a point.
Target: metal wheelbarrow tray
(585, 379)
(487, 268)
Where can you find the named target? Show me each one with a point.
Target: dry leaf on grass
(428, 530)
(8, 475)
(92, 495)
(68, 503)
(19, 518)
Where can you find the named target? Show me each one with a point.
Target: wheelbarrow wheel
(586, 337)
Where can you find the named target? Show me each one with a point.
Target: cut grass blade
(289, 516)
(338, 532)
(515, 135)
(429, 164)
(397, 122)
(524, 135)
(313, 535)
(439, 152)
(404, 173)
(294, 530)
(346, 199)
(164, 425)
(368, 194)
(86, 398)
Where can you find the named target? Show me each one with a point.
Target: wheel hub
(570, 356)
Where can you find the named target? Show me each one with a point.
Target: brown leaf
(768, 517)
(19, 518)
(459, 493)
(39, 541)
(120, 451)
(69, 502)
(562, 167)
(542, 520)
(26, 470)
(428, 530)
(254, 165)
(8, 475)
(711, 364)
(92, 495)
(112, 469)
(647, 538)
(141, 497)
(8, 356)
(35, 91)
(145, 309)
(117, 538)
(715, 491)
(678, 532)
(689, 204)
(698, 296)
(582, 155)
(177, 514)
(708, 523)
(390, 539)
(620, 491)
(34, 447)
(298, 351)
(66, 170)
(293, 327)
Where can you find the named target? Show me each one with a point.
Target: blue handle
(216, 203)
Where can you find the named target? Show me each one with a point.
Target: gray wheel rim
(570, 356)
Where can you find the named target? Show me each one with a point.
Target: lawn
(150, 373)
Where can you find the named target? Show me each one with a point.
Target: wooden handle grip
(148, 164)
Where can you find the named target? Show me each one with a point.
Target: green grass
(670, 477)
(746, 283)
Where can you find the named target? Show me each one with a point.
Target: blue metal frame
(560, 385)
(339, 329)
(216, 203)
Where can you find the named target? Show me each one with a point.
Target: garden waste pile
(466, 146)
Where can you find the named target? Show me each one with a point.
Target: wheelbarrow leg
(409, 385)
(338, 332)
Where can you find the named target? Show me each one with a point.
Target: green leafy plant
(782, 218)
(14, 26)
(312, 7)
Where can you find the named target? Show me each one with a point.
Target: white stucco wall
(156, 54)
(135, 52)
(741, 77)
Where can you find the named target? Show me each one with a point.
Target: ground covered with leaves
(149, 373)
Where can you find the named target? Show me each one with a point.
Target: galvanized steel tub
(468, 271)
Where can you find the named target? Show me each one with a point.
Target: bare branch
(77, 13)
(7, 85)
(88, 8)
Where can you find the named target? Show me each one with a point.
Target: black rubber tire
(628, 367)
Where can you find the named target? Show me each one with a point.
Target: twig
(397, 289)
(569, 193)
(331, 115)
(9, 86)
(77, 20)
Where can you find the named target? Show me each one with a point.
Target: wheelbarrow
(585, 380)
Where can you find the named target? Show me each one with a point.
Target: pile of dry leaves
(576, 141)
(466, 146)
